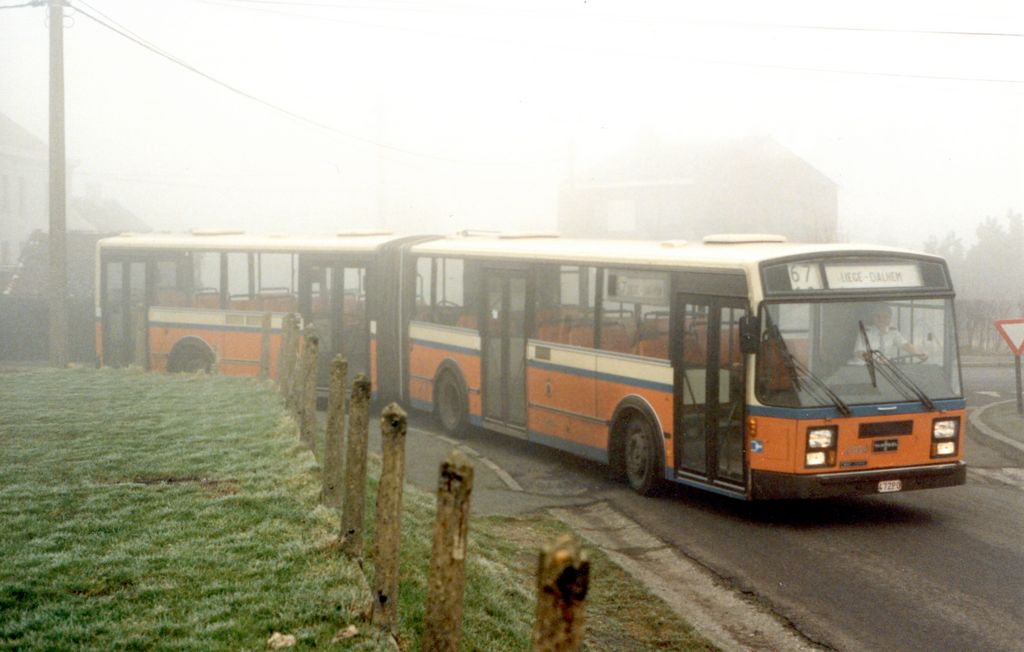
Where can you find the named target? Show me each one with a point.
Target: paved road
(933, 570)
(986, 385)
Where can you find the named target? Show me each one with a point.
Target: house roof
(15, 138)
(663, 163)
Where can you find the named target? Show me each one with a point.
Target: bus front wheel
(641, 456)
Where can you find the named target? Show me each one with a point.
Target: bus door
(709, 387)
(333, 296)
(503, 339)
(124, 310)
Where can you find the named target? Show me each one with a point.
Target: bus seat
(581, 334)
(615, 337)
(171, 298)
(207, 299)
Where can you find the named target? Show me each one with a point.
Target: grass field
(145, 511)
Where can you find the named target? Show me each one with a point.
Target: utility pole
(58, 190)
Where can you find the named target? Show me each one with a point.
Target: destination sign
(869, 276)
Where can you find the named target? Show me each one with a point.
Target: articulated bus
(743, 365)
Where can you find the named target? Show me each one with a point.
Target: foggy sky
(452, 114)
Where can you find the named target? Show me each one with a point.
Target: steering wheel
(910, 358)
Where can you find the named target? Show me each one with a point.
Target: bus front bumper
(767, 485)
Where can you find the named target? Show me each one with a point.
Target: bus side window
(423, 310)
(170, 284)
(564, 311)
(275, 282)
(206, 279)
(239, 281)
(634, 313)
(451, 307)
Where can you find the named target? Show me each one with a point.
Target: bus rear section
(197, 303)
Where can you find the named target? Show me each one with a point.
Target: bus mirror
(750, 334)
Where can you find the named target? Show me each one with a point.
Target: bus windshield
(838, 353)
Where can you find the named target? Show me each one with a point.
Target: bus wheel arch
(636, 450)
(190, 355)
(451, 398)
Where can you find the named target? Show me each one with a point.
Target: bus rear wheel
(190, 358)
(450, 402)
(641, 456)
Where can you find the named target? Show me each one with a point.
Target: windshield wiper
(868, 357)
(843, 408)
(799, 370)
(892, 371)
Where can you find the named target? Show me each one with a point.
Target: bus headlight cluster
(821, 446)
(945, 435)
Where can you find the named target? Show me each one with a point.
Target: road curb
(974, 418)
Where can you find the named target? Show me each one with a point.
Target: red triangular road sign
(1012, 331)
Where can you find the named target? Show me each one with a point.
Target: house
(24, 188)
(25, 218)
(686, 191)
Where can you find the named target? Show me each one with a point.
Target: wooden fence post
(388, 525)
(354, 502)
(442, 623)
(330, 495)
(295, 383)
(563, 576)
(265, 346)
(286, 356)
(306, 400)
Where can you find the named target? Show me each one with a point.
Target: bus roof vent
(476, 233)
(361, 233)
(217, 232)
(525, 235)
(673, 244)
(743, 238)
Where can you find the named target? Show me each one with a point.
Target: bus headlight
(821, 438)
(816, 458)
(945, 437)
(945, 428)
(821, 446)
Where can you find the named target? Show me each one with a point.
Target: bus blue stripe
(913, 407)
(210, 327)
(451, 348)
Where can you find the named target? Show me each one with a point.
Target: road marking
(509, 481)
(988, 393)
(727, 618)
(502, 474)
(1013, 476)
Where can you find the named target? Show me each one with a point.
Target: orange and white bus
(203, 297)
(731, 365)
(743, 365)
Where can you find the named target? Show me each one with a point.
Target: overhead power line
(413, 7)
(33, 3)
(141, 42)
(272, 7)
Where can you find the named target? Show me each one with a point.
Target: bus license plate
(889, 486)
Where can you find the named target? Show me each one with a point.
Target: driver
(883, 337)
